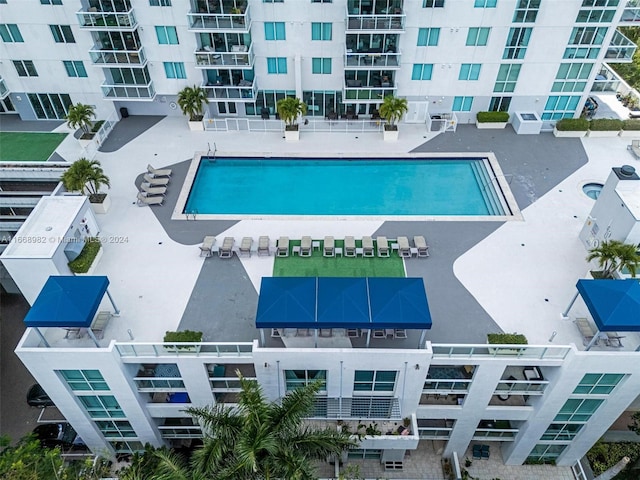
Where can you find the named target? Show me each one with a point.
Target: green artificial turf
(319, 266)
(28, 147)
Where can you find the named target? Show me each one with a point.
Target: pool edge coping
(490, 156)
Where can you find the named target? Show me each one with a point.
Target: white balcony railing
(500, 351)
(243, 59)
(631, 12)
(371, 60)
(118, 57)
(237, 22)
(128, 91)
(621, 49)
(384, 22)
(212, 350)
(245, 91)
(354, 93)
(107, 20)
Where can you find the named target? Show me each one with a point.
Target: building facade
(340, 56)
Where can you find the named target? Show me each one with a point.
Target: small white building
(616, 214)
(53, 235)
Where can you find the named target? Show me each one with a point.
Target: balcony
(244, 91)
(355, 92)
(385, 22)
(223, 378)
(631, 12)
(239, 57)
(606, 80)
(128, 91)
(620, 50)
(124, 21)
(163, 377)
(374, 60)
(468, 351)
(435, 429)
(179, 427)
(130, 58)
(495, 430)
(230, 22)
(4, 91)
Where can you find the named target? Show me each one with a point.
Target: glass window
(83, 380)
(595, 16)
(598, 384)
(277, 65)
(75, 68)
(517, 42)
(299, 378)
(374, 381)
(422, 71)
(160, 3)
(572, 77)
(600, 3)
(274, 31)
(462, 104)
(321, 66)
(478, 36)
(499, 104)
(50, 105)
(428, 37)
(62, 33)
(432, 3)
(272, 1)
(115, 429)
(469, 71)
(587, 35)
(10, 33)
(49, 2)
(174, 70)
(167, 35)
(562, 431)
(526, 11)
(321, 31)
(578, 409)
(507, 77)
(101, 406)
(485, 3)
(543, 453)
(25, 68)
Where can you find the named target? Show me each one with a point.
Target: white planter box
(390, 135)
(569, 134)
(93, 265)
(101, 207)
(292, 135)
(603, 133)
(488, 125)
(196, 126)
(85, 143)
(630, 133)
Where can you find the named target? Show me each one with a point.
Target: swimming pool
(351, 187)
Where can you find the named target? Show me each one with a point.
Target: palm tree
(85, 176)
(79, 116)
(192, 101)
(392, 110)
(257, 440)
(613, 255)
(289, 109)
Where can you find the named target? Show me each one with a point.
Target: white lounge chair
(367, 247)
(263, 246)
(282, 249)
(146, 200)
(383, 246)
(404, 250)
(421, 245)
(159, 172)
(207, 245)
(100, 324)
(349, 247)
(155, 181)
(305, 247)
(634, 148)
(329, 248)
(226, 250)
(151, 190)
(245, 247)
(586, 330)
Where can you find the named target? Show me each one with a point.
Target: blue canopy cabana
(613, 304)
(326, 302)
(68, 302)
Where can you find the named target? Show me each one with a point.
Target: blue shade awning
(67, 301)
(613, 304)
(288, 302)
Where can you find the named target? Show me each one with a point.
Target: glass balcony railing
(245, 91)
(621, 49)
(237, 22)
(242, 58)
(107, 20)
(371, 60)
(631, 12)
(4, 91)
(606, 80)
(354, 92)
(118, 57)
(393, 21)
(129, 91)
(209, 350)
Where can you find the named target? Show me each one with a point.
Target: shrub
(609, 124)
(96, 126)
(507, 339)
(631, 124)
(183, 336)
(603, 456)
(572, 125)
(88, 254)
(489, 117)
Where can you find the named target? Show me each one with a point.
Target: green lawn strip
(319, 266)
(28, 146)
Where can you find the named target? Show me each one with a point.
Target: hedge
(88, 254)
(96, 126)
(631, 124)
(489, 117)
(572, 125)
(603, 456)
(183, 336)
(605, 124)
(507, 339)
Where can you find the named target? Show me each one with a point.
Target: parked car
(61, 435)
(37, 397)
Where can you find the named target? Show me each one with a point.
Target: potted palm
(613, 255)
(392, 110)
(289, 109)
(80, 116)
(192, 101)
(86, 176)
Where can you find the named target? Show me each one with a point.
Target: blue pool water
(343, 187)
